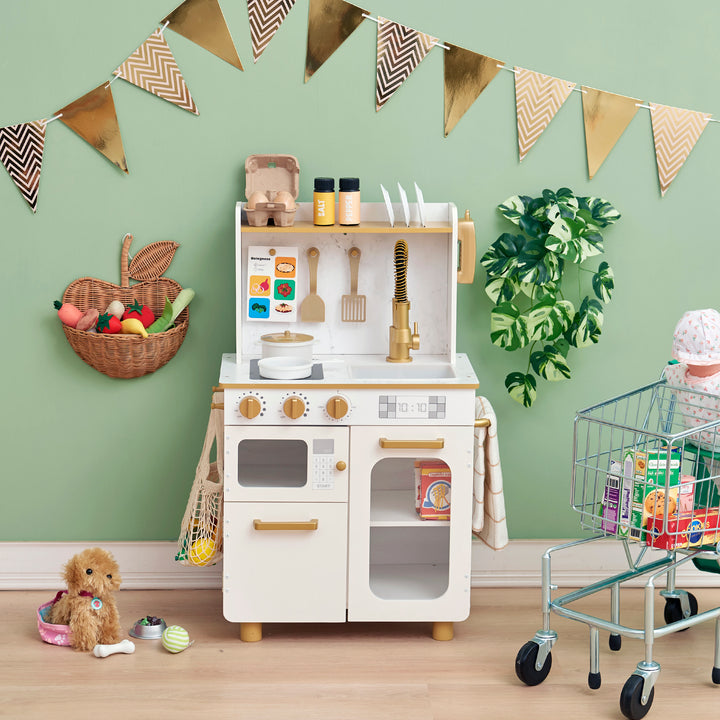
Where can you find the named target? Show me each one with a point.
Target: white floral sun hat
(696, 340)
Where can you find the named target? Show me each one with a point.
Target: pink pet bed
(53, 634)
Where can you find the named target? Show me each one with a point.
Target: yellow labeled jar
(324, 201)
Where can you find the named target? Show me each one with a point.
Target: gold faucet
(401, 339)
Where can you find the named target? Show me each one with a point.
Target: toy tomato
(140, 312)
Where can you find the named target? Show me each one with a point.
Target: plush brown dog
(88, 606)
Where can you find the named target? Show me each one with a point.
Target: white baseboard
(150, 565)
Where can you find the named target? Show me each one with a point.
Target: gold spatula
(313, 307)
(353, 305)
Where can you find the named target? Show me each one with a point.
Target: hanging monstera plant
(559, 242)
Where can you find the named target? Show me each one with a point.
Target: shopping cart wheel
(673, 608)
(631, 698)
(716, 675)
(594, 680)
(615, 642)
(525, 664)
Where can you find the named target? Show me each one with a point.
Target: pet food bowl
(147, 631)
(50, 633)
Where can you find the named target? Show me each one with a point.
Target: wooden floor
(362, 671)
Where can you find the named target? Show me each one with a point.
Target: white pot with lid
(287, 344)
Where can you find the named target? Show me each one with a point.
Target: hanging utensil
(312, 308)
(353, 305)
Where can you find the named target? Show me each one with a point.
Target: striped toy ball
(175, 639)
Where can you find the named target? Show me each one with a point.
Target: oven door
(284, 464)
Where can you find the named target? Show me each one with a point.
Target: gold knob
(341, 465)
(337, 407)
(250, 407)
(294, 407)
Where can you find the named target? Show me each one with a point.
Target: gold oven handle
(466, 238)
(286, 525)
(412, 444)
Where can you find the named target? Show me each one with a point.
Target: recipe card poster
(271, 288)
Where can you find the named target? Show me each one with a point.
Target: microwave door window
(272, 463)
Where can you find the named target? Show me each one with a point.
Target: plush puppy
(88, 605)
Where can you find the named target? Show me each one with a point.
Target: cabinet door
(402, 567)
(285, 562)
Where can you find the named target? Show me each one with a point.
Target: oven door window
(272, 463)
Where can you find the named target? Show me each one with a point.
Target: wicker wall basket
(129, 356)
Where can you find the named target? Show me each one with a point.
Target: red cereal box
(684, 530)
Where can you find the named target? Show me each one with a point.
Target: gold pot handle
(286, 525)
(412, 444)
(466, 260)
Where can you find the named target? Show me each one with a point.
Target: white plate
(284, 368)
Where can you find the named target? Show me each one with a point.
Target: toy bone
(126, 646)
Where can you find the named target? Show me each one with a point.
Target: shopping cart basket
(645, 474)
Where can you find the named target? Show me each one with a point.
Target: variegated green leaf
(508, 327)
(513, 208)
(587, 324)
(603, 282)
(521, 388)
(601, 211)
(502, 289)
(537, 265)
(501, 259)
(549, 318)
(550, 364)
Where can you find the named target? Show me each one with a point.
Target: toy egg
(285, 198)
(175, 639)
(202, 551)
(255, 198)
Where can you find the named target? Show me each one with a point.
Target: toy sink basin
(147, 632)
(403, 371)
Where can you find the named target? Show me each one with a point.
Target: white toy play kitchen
(322, 444)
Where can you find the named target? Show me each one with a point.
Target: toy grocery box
(684, 530)
(432, 479)
(617, 499)
(649, 489)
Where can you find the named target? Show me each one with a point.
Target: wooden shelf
(366, 228)
(396, 508)
(409, 582)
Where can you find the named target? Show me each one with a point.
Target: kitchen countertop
(362, 371)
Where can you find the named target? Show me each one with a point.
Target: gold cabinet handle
(286, 525)
(466, 238)
(422, 444)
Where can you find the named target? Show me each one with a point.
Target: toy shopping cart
(646, 472)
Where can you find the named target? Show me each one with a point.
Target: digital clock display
(411, 407)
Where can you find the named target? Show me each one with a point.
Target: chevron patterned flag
(152, 67)
(400, 50)
(537, 98)
(265, 17)
(21, 152)
(675, 132)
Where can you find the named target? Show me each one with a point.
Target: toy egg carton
(272, 183)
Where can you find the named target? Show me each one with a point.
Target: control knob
(337, 407)
(250, 407)
(294, 407)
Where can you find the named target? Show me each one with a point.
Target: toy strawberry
(140, 312)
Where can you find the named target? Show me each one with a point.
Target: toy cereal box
(653, 493)
(433, 490)
(684, 530)
(617, 499)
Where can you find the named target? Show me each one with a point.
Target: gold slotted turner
(353, 305)
(312, 308)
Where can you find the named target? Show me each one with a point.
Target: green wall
(87, 458)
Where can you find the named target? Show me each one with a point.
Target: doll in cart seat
(696, 350)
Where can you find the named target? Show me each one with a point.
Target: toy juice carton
(433, 496)
(686, 494)
(617, 499)
(685, 530)
(649, 489)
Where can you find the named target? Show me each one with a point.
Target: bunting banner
(330, 24)
(538, 97)
(21, 152)
(265, 17)
(400, 50)
(152, 67)
(606, 116)
(94, 119)
(675, 132)
(203, 22)
(467, 74)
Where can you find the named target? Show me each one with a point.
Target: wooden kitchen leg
(442, 631)
(250, 632)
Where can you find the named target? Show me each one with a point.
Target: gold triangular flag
(675, 132)
(537, 98)
(203, 22)
(152, 67)
(94, 119)
(606, 116)
(467, 74)
(400, 50)
(330, 24)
